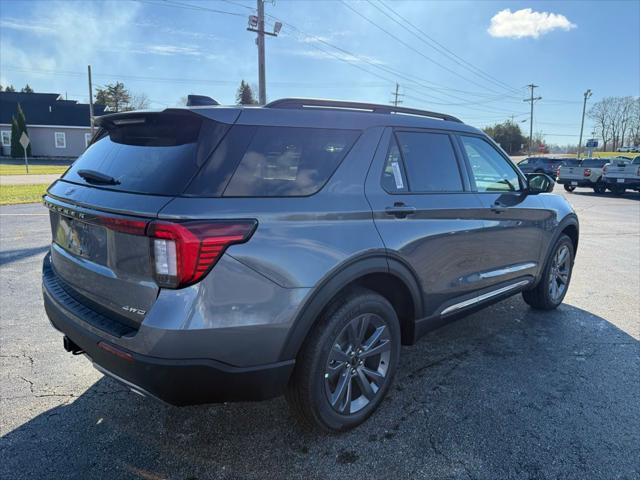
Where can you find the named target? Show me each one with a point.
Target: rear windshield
(593, 163)
(266, 161)
(153, 154)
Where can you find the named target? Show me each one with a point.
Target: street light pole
(587, 94)
(90, 101)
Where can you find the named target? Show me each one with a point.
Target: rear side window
(153, 154)
(430, 162)
(596, 163)
(288, 161)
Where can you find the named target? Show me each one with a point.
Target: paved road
(507, 393)
(27, 179)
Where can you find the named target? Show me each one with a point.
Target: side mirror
(539, 183)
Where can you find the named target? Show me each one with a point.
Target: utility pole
(256, 24)
(262, 88)
(587, 94)
(90, 101)
(531, 99)
(396, 96)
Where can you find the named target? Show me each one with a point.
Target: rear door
(515, 221)
(426, 214)
(100, 207)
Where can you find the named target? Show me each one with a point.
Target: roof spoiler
(200, 101)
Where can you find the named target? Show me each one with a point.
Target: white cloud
(171, 50)
(526, 23)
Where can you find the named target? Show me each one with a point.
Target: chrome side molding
(483, 297)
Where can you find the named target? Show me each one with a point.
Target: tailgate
(100, 208)
(571, 173)
(108, 268)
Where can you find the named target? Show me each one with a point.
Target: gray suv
(209, 254)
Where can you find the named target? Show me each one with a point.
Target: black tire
(600, 187)
(309, 392)
(569, 188)
(541, 297)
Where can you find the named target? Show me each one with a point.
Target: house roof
(46, 109)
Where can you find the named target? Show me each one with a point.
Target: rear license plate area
(574, 183)
(620, 180)
(81, 239)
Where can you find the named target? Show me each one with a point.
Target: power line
(443, 50)
(410, 47)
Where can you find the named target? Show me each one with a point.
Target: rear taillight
(638, 172)
(587, 172)
(604, 169)
(184, 252)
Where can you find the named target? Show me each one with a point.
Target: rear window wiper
(92, 176)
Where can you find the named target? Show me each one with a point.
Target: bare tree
(634, 123)
(601, 114)
(139, 101)
(626, 110)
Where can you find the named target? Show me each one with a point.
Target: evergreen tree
(9, 88)
(115, 96)
(16, 148)
(18, 126)
(244, 95)
(27, 89)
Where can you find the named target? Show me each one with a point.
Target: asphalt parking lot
(507, 393)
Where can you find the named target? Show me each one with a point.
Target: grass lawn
(606, 154)
(6, 169)
(29, 193)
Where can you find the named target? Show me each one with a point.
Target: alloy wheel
(358, 364)
(559, 274)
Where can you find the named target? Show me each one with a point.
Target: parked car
(622, 174)
(224, 253)
(548, 165)
(587, 174)
(629, 149)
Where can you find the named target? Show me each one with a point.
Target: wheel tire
(309, 391)
(600, 187)
(540, 297)
(569, 188)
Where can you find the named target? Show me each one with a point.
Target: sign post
(591, 144)
(24, 141)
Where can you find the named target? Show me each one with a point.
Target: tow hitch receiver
(69, 346)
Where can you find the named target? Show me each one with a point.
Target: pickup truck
(621, 174)
(587, 174)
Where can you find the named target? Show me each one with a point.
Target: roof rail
(301, 103)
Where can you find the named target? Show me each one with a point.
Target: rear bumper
(173, 380)
(627, 183)
(576, 183)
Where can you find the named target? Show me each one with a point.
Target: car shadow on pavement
(629, 195)
(505, 393)
(11, 256)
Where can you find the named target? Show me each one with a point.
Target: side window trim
(465, 179)
(469, 170)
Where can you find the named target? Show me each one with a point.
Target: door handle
(400, 210)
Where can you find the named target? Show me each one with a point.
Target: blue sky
(169, 48)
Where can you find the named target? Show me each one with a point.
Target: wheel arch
(383, 273)
(568, 226)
